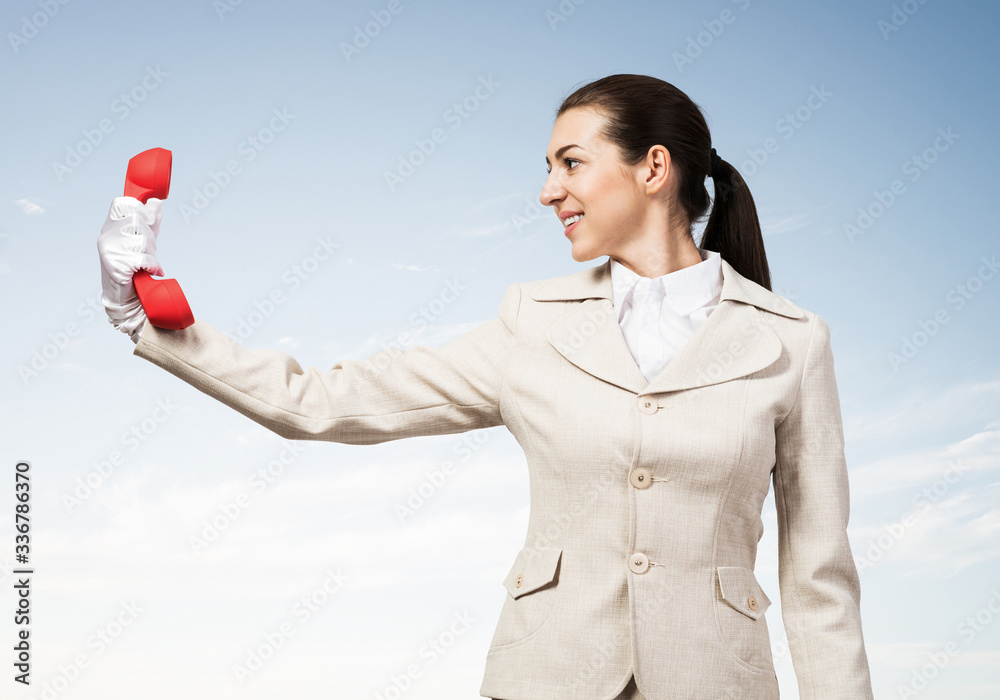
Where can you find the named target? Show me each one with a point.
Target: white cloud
(785, 224)
(917, 411)
(979, 452)
(778, 220)
(413, 268)
(29, 207)
(937, 540)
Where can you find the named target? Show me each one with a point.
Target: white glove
(128, 243)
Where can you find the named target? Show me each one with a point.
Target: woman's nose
(550, 194)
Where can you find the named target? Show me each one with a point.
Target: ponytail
(733, 228)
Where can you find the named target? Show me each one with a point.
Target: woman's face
(586, 176)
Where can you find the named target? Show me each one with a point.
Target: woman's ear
(658, 170)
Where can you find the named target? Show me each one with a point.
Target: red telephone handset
(148, 175)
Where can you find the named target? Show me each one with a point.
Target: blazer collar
(735, 339)
(595, 282)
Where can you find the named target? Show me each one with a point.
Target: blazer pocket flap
(742, 591)
(533, 568)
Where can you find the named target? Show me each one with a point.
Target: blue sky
(906, 112)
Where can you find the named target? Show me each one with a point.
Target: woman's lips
(571, 227)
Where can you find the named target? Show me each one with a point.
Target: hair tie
(715, 164)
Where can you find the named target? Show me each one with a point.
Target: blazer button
(638, 563)
(752, 602)
(648, 405)
(517, 581)
(640, 478)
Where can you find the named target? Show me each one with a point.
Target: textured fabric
(631, 692)
(659, 315)
(645, 498)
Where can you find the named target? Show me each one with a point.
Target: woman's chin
(583, 253)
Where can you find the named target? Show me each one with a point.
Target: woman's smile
(577, 219)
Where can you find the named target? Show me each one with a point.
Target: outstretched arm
(413, 392)
(820, 589)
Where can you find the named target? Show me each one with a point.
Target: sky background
(916, 280)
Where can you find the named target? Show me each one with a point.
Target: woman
(655, 396)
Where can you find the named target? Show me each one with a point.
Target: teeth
(572, 220)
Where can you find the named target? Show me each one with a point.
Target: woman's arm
(818, 579)
(418, 391)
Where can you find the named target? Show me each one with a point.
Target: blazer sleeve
(817, 576)
(387, 396)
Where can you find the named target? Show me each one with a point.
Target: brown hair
(641, 112)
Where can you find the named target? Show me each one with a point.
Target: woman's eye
(567, 161)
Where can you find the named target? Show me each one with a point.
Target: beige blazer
(645, 499)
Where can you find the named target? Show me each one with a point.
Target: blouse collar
(686, 290)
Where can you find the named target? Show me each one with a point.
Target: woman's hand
(128, 243)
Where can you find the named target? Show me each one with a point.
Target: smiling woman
(603, 166)
(657, 396)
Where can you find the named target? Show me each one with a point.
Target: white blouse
(658, 315)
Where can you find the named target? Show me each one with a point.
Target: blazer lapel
(735, 339)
